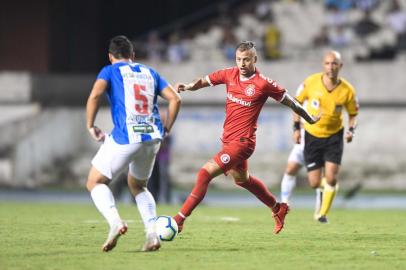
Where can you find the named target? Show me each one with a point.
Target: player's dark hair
(245, 45)
(121, 47)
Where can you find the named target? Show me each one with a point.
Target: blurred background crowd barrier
(50, 53)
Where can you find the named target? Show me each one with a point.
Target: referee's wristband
(352, 130)
(296, 126)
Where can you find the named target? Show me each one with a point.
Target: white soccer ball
(166, 228)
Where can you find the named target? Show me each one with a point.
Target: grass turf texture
(69, 236)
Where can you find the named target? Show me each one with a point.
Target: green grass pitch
(69, 236)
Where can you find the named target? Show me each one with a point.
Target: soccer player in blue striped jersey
(132, 90)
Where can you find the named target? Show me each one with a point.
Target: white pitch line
(225, 218)
(96, 221)
(234, 219)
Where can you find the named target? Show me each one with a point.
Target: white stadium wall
(376, 157)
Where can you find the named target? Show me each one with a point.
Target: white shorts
(112, 158)
(296, 154)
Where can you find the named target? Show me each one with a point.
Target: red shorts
(234, 155)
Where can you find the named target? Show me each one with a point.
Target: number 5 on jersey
(141, 106)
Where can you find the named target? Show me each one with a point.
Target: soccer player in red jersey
(247, 91)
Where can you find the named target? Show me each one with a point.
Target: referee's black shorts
(319, 150)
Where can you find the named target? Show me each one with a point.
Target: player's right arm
(193, 86)
(215, 78)
(92, 106)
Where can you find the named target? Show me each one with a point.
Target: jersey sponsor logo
(238, 100)
(250, 90)
(269, 80)
(143, 128)
(225, 158)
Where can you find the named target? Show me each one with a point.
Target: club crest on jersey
(225, 158)
(315, 103)
(250, 90)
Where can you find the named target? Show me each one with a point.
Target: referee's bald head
(335, 54)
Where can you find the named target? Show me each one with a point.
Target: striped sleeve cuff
(208, 80)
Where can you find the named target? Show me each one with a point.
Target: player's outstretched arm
(193, 86)
(298, 109)
(92, 106)
(174, 101)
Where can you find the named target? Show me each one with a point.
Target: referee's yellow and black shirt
(329, 103)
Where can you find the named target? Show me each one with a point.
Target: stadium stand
(299, 23)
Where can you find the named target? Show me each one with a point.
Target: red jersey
(245, 99)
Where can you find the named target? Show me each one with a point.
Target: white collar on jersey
(249, 78)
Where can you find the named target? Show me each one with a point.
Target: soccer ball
(166, 228)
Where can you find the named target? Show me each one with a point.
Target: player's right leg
(295, 162)
(209, 171)
(109, 161)
(319, 200)
(231, 154)
(289, 180)
(316, 182)
(330, 190)
(314, 160)
(333, 151)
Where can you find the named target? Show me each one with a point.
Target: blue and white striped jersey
(133, 90)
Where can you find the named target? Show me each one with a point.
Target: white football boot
(115, 232)
(152, 243)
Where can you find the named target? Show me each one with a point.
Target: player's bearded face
(246, 62)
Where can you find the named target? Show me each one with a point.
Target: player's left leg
(105, 203)
(140, 169)
(102, 171)
(258, 188)
(147, 208)
(319, 197)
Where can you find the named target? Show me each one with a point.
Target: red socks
(258, 188)
(253, 185)
(197, 194)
